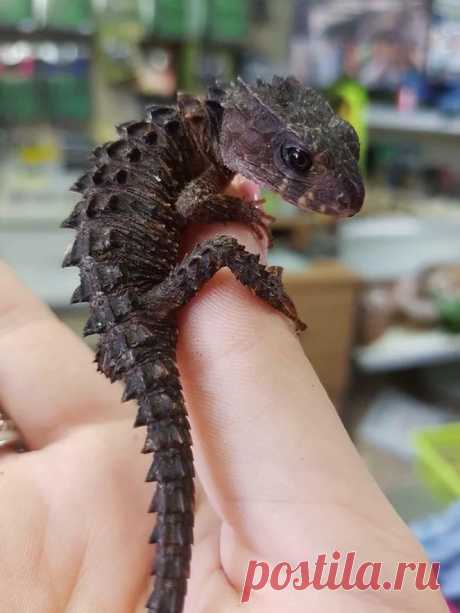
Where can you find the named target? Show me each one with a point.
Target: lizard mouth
(345, 213)
(332, 209)
(250, 191)
(339, 207)
(335, 208)
(341, 197)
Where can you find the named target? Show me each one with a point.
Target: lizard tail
(169, 438)
(125, 243)
(156, 386)
(142, 352)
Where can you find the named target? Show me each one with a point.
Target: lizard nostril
(343, 199)
(351, 194)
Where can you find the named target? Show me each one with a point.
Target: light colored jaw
(284, 185)
(307, 203)
(306, 200)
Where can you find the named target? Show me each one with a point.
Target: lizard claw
(285, 304)
(260, 221)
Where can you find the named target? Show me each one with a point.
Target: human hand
(278, 478)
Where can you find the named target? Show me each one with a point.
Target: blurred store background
(380, 292)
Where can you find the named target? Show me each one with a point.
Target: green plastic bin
(69, 97)
(173, 19)
(13, 12)
(73, 14)
(438, 460)
(228, 21)
(20, 100)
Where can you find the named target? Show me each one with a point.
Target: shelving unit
(422, 121)
(11, 34)
(427, 239)
(403, 348)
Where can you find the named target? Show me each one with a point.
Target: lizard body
(143, 190)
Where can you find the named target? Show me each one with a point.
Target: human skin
(278, 479)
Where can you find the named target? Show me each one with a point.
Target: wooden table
(325, 295)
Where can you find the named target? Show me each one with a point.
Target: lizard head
(287, 137)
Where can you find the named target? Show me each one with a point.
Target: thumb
(269, 444)
(271, 452)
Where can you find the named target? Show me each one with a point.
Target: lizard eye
(296, 158)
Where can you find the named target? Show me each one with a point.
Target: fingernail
(246, 188)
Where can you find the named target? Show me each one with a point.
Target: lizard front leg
(203, 262)
(203, 202)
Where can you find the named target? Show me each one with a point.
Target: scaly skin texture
(142, 192)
